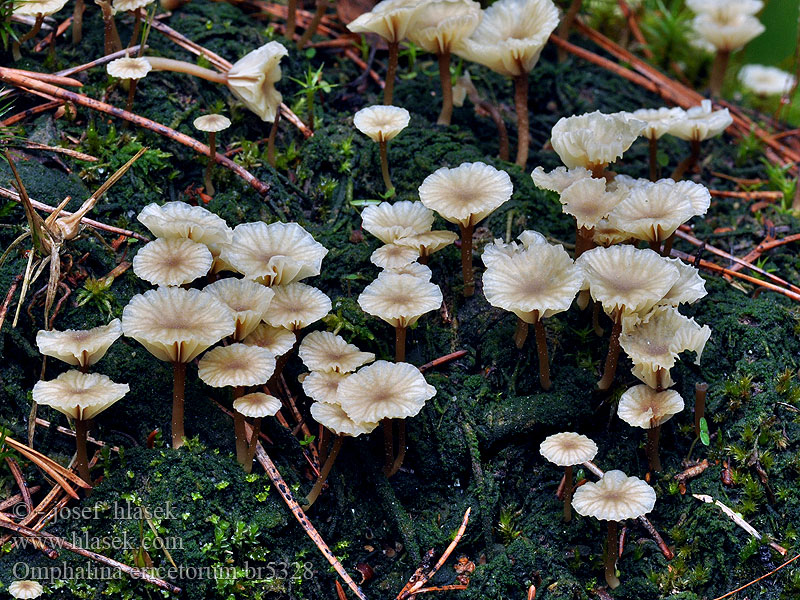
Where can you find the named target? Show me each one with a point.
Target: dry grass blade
(51, 467)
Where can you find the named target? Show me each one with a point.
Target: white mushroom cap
(334, 418)
(642, 406)
(80, 396)
(212, 123)
(701, 123)
(594, 139)
(766, 81)
(466, 194)
(172, 261)
(415, 269)
(390, 19)
(381, 123)
(325, 351)
(725, 9)
(181, 220)
(511, 36)
(429, 242)
(296, 306)
(689, 287)
(499, 248)
(277, 340)
(442, 24)
(129, 5)
(175, 324)
(129, 67)
(588, 201)
(658, 120)
(79, 347)
(247, 299)
(568, 449)
(400, 300)
(257, 405)
(652, 377)
(252, 80)
(25, 588)
(615, 497)
(559, 178)
(728, 35)
(605, 235)
(323, 386)
(389, 222)
(236, 365)
(393, 256)
(38, 7)
(384, 390)
(275, 254)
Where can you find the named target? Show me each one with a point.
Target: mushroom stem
(520, 333)
(598, 330)
(312, 27)
(178, 386)
(612, 549)
(700, 390)
(400, 343)
(37, 26)
(566, 25)
(391, 73)
(653, 144)
(81, 456)
(131, 94)
(242, 446)
(655, 246)
(77, 21)
(212, 158)
(653, 458)
(466, 259)
(718, 71)
(568, 494)
(584, 240)
(111, 43)
(666, 250)
(401, 448)
(688, 163)
(291, 18)
(323, 474)
(523, 124)
(388, 444)
(251, 447)
(447, 89)
(273, 132)
(178, 66)
(387, 180)
(541, 348)
(613, 353)
(137, 26)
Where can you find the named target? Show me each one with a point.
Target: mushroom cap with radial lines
(393, 256)
(766, 81)
(442, 24)
(129, 5)
(414, 269)
(175, 324)
(588, 201)
(689, 287)
(129, 67)
(568, 449)
(384, 390)
(390, 19)
(236, 365)
(323, 386)
(80, 396)
(212, 123)
(499, 249)
(642, 406)
(466, 194)
(257, 405)
(296, 306)
(325, 351)
(729, 35)
(559, 178)
(79, 347)
(172, 261)
(252, 80)
(603, 234)
(247, 299)
(701, 123)
(595, 138)
(400, 300)
(33, 8)
(277, 340)
(428, 242)
(26, 589)
(388, 222)
(381, 123)
(334, 418)
(615, 497)
(181, 220)
(658, 120)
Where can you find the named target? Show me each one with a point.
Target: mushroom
(172, 261)
(176, 325)
(428, 242)
(296, 306)
(277, 340)
(131, 69)
(211, 124)
(111, 41)
(256, 406)
(389, 222)
(393, 256)
(25, 588)
(589, 202)
(79, 347)
(135, 8)
(400, 300)
(323, 386)
(80, 396)
(32, 8)
(689, 287)
(766, 81)
(417, 270)
(247, 300)
(182, 220)
(701, 123)
(440, 26)
(381, 392)
(566, 450)
(642, 406)
(559, 178)
(614, 498)
(465, 196)
(325, 351)
(658, 122)
(381, 124)
(509, 40)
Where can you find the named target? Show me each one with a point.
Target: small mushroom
(658, 122)
(172, 261)
(391, 221)
(25, 589)
(296, 306)
(700, 123)
(566, 450)
(247, 299)
(256, 406)
(252, 80)
(393, 256)
(277, 340)
(417, 270)
(323, 386)
(428, 242)
(589, 201)
(39, 9)
(689, 287)
(382, 124)
(325, 351)
(135, 8)
(79, 347)
(182, 220)
(559, 178)
(130, 69)
(766, 81)
(642, 406)
(211, 124)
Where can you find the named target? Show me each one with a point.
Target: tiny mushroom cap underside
(588, 201)
(701, 123)
(400, 300)
(417, 270)
(26, 589)
(182, 220)
(212, 123)
(381, 123)
(642, 406)
(176, 324)
(323, 386)
(594, 139)
(278, 340)
(442, 24)
(388, 222)
(252, 80)
(247, 299)
(257, 405)
(325, 351)
(604, 234)
(393, 256)
(428, 242)
(79, 347)
(658, 120)
(390, 19)
(296, 306)
(466, 194)
(172, 261)
(568, 449)
(384, 390)
(129, 67)
(236, 365)
(559, 178)
(615, 497)
(80, 396)
(32, 8)
(334, 418)
(766, 81)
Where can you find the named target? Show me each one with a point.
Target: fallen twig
(49, 466)
(17, 498)
(16, 472)
(71, 433)
(754, 195)
(747, 585)
(738, 520)
(58, 149)
(437, 362)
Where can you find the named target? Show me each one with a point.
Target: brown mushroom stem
(212, 158)
(322, 5)
(718, 71)
(273, 133)
(77, 21)
(466, 259)
(401, 448)
(520, 333)
(111, 43)
(178, 386)
(131, 94)
(388, 444)
(700, 391)
(666, 250)
(653, 458)
(323, 474)
(567, 493)
(611, 555)
(387, 180)
(584, 240)
(137, 27)
(689, 163)
(291, 18)
(251, 447)
(400, 343)
(242, 446)
(37, 26)
(566, 25)
(447, 89)
(598, 171)
(583, 299)
(541, 348)
(324, 443)
(523, 123)
(655, 246)
(178, 66)
(81, 456)
(613, 353)
(653, 144)
(598, 330)
(391, 73)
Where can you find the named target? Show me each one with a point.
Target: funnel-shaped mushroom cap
(129, 5)
(129, 67)
(79, 395)
(766, 81)
(38, 7)
(381, 123)
(79, 347)
(625, 277)
(701, 123)
(588, 201)
(689, 288)
(415, 269)
(500, 249)
(278, 340)
(175, 324)
(652, 377)
(325, 351)
(728, 35)
(429, 242)
(275, 254)
(181, 220)
(533, 284)
(559, 178)
(323, 386)
(257, 405)
(212, 123)
(400, 300)
(247, 299)
(236, 365)
(511, 36)
(442, 24)
(725, 9)
(390, 19)
(172, 261)
(296, 306)
(389, 222)
(605, 235)
(615, 497)
(568, 449)
(384, 390)
(642, 406)
(393, 256)
(25, 588)
(252, 80)
(658, 120)
(466, 194)
(594, 139)
(334, 418)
